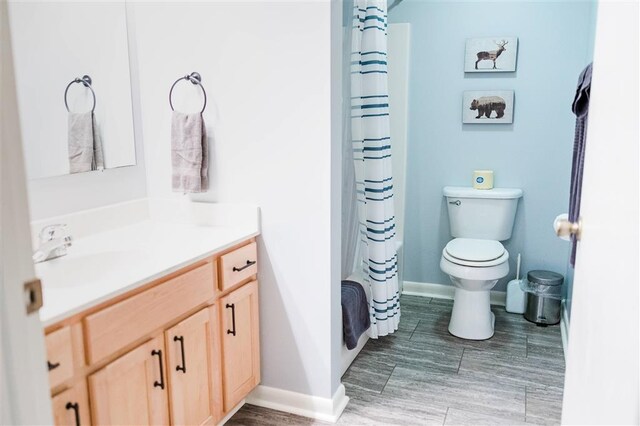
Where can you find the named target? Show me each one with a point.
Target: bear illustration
(487, 104)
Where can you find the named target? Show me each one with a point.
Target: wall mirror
(87, 59)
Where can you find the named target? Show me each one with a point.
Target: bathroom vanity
(161, 332)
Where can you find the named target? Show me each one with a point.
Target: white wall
(66, 194)
(266, 67)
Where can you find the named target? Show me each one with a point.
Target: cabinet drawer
(59, 356)
(115, 327)
(238, 265)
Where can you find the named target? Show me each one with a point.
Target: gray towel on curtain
(189, 153)
(580, 108)
(84, 143)
(355, 313)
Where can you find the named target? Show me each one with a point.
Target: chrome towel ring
(86, 81)
(194, 78)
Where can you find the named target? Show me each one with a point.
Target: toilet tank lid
(468, 192)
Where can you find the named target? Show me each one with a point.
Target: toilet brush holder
(516, 296)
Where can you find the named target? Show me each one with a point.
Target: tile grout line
(414, 330)
(445, 417)
(460, 362)
(388, 378)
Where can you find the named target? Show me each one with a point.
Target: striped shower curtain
(372, 158)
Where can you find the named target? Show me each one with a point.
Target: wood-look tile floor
(423, 375)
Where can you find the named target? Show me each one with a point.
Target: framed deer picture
(487, 107)
(491, 54)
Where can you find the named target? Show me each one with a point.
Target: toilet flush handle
(456, 202)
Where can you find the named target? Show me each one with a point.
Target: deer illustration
(491, 55)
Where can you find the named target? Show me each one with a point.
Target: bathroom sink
(77, 270)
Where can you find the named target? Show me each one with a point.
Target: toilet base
(471, 316)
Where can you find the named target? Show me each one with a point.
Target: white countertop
(106, 264)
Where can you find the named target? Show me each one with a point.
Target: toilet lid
(473, 250)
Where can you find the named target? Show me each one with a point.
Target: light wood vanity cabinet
(181, 350)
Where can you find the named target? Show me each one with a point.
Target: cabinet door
(240, 343)
(194, 369)
(71, 407)
(132, 390)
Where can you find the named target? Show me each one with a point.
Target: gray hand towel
(98, 155)
(84, 143)
(189, 153)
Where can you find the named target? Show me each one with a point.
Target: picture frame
(491, 54)
(488, 106)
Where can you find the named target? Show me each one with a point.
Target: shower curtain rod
(394, 4)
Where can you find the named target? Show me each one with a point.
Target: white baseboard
(443, 291)
(230, 414)
(564, 329)
(325, 409)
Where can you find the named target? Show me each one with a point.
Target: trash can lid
(545, 277)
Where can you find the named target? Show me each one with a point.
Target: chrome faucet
(54, 240)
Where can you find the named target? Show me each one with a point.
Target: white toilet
(475, 259)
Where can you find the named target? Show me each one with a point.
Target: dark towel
(355, 313)
(580, 108)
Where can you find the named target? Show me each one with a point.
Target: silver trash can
(544, 293)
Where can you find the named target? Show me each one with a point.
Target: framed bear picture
(487, 107)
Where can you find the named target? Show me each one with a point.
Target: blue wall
(534, 153)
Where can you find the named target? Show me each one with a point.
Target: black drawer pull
(160, 383)
(76, 408)
(233, 317)
(242, 268)
(182, 368)
(52, 366)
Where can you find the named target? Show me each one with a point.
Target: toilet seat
(475, 252)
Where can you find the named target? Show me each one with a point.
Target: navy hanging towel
(580, 108)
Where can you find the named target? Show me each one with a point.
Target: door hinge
(33, 295)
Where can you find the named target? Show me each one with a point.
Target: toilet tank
(482, 213)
